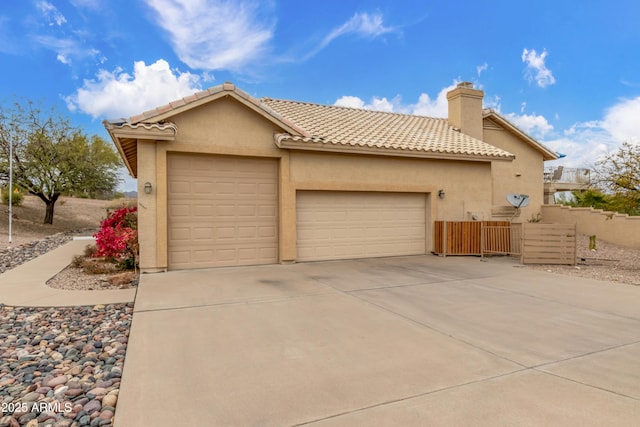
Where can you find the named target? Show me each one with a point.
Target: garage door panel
(218, 214)
(268, 189)
(342, 225)
(267, 232)
(203, 233)
(179, 210)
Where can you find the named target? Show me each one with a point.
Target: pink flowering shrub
(117, 238)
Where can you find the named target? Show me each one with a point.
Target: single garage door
(342, 225)
(222, 211)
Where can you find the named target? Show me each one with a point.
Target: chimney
(465, 109)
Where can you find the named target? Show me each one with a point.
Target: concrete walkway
(26, 286)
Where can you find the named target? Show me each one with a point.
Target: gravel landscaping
(60, 366)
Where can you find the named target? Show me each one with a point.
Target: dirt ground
(70, 214)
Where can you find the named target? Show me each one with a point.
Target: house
(226, 179)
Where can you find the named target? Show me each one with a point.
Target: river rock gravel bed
(61, 366)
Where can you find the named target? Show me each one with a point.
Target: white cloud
(536, 68)
(67, 49)
(87, 4)
(587, 142)
(481, 68)
(492, 102)
(622, 122)
(584, 144)
(426, 106)
(63, 58)
(118, 94)
(362, 24)
(216, 34)
(438, 107)
(350, 101)
(376, 104)
(51, 13)
(382, 104)
(533, 124)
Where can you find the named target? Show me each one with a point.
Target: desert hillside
(70, 214)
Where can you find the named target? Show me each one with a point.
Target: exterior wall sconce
(147, 188)
(441, 194)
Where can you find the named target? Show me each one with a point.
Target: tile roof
(191, 101)
(316, 127)
(332, 127)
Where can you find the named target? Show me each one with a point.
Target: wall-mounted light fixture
(441, 194)
(147, 188)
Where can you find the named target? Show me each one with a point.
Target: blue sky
(567, 73)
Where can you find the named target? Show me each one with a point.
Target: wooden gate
(503, 239)
(535, 243)
(468, 237)
(549, 244)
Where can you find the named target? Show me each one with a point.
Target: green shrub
(16, 199)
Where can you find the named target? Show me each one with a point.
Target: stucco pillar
(147, 206)
(287, 214)
(549, 195)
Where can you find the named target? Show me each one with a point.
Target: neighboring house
(227, 179)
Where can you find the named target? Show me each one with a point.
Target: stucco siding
(523, 175)
(147, 206)
(467, 185)
(225, 127)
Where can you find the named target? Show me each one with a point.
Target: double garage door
(223, 211)
(342, 225)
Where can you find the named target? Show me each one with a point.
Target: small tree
(51, 158)
(592, 197)
(618, 175)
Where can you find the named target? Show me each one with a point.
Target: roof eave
(547, 154)
(127, 133)
(117, 142)
(330, 147)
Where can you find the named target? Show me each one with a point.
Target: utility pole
(10, 187)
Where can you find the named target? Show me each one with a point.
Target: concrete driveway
(394, 341)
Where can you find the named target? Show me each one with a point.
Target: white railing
(567, 175)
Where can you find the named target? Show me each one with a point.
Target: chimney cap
(467, 85)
